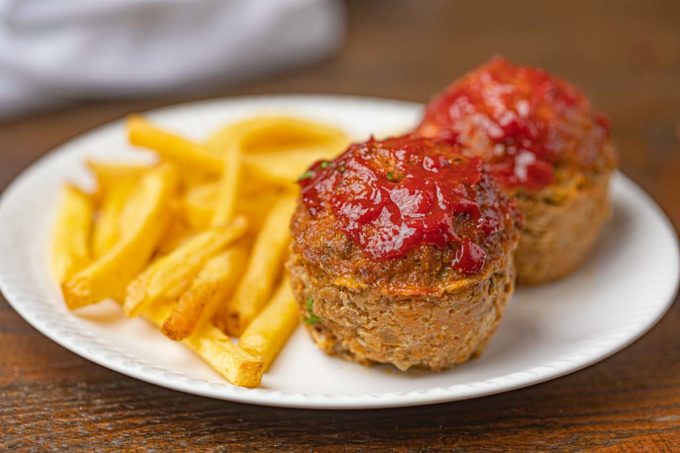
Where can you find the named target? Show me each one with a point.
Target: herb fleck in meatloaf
(542, 141)
(402, 254)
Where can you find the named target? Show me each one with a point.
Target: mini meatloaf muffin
(543, 142)
(402, 253)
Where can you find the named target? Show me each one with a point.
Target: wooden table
(625, 55)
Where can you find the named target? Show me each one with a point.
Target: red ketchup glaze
(520, 120)
(392, 196)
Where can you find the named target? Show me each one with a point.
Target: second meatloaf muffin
(402, 254)
(543, 142)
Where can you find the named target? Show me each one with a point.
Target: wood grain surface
(624, 54)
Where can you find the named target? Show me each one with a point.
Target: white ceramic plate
(549, 331)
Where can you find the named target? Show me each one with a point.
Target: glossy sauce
(520, 120)
(394, 195)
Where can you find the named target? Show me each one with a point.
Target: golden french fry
(161, 180)
(230, 361)
(187, 153)
(115, 182)
(170, 275)
(257, 207)
(285, 168)
(157, 313)
(193, 178)
(253, 184)
(212, 285)
(107, 227)
(71, 237)
(279, 149)
(264, 266)
(112, 174)
(145, 218)
(198, 205)
(277, 133)
(178, 231)
(276, 149)
(269, 331)
(228, 187)
(236, 365)
(203, 194)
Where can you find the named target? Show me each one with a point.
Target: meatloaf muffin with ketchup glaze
(542, 141)
(402, 253)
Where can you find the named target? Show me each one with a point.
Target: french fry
(115, 182)
(110, 175)
(107, 227)
(216, 349)
(253, 184)
(285, 168)
(110, 172)
(172, 147)
(269, 331)
(192, 178)
(236, 365)
(178, 231)
(203, 194)
(198, 205)
(170, 275)
(71, 237)
(277, 133)
(228, 187)
(212, 285)
(145, 217)
(264, 266)
(257, 207)
(278, 149)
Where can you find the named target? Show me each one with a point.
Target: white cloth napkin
(57, 51)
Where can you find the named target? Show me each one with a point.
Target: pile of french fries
(196, 242)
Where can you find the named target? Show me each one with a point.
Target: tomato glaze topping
(520, 120)
(394, 195)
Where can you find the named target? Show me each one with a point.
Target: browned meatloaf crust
(561, 225)
(435, 332)
(416, 311)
